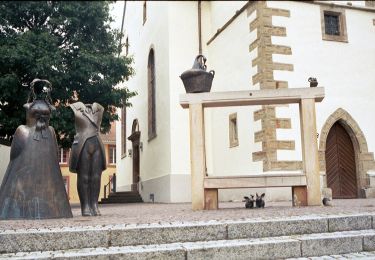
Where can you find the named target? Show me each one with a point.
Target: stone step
(125, 199)
(53, 239)
(121, 193)
(114, 195)
(362, 255)
(122, 197)
(282, 247)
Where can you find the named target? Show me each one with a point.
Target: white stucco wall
(230, 58)
(345, 69)
(183, 35)
(221, 12)
(155, 157)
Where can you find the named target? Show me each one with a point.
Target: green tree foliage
(70, 44)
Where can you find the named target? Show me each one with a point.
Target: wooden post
(197, 155)
(310, 150)
(211, 199)
(299, 196)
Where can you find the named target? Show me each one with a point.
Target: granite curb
(29, 240)
(296, 246)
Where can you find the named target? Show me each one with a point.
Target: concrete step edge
(273, 247)
(355, 255)
(161, 224)
(162, 233)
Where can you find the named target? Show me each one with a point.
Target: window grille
(332, 24)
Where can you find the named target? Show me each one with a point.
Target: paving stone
(246, 249)
(171, 234)
(172, 251)
(326, 257)
(369, 253)
(142, 213)
(52, 240)
(331, 243)
(272, 228)
(360, 255)
(261, 248)
(350, 223)
(369, 242)
(156, 233)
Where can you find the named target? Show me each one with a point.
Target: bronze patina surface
(197, 79)
(87, 157)
(33, 187)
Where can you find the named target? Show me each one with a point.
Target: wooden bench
(204, 189)
(297, 181)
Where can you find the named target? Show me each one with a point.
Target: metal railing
(109, 185)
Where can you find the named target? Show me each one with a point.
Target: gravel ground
(143, 213)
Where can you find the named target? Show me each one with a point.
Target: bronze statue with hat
(33, 186)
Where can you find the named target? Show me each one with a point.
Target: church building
(250, 45)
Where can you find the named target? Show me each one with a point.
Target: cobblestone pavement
(143, 213)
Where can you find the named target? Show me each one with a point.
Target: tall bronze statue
(87, 157)
(33, 187)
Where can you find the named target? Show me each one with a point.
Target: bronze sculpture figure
(87, 157)
(33, 187)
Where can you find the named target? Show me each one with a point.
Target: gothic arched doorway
(340, 163)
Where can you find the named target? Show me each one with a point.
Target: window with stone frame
(144, 12)
(233, 130)
(333, 23)
(123, 132)
(112, 154)
(151, 96)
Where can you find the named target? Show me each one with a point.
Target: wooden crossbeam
(256, 181)
(252, 97)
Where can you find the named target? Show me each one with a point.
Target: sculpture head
(38, 106)
(41, 88)
(38, 113)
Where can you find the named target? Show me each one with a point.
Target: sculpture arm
(100, 111)
(100, 107)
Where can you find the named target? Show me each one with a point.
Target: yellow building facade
(70, 179)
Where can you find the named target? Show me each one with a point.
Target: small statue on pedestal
(87, 157)
(33, 187)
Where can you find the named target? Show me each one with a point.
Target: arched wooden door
(340, 163)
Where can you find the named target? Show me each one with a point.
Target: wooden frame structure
(305, 186)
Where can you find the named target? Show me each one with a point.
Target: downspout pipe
(122, 28)
(200, 27)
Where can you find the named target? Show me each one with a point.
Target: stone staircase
(122, 197)
(277, 238)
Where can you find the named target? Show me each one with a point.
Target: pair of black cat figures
(259, 201)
